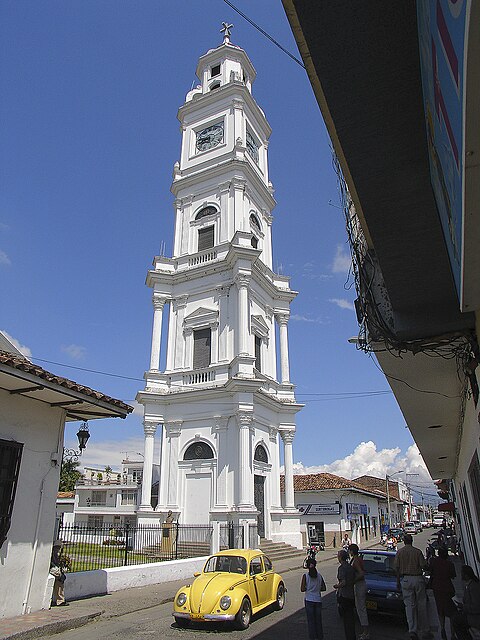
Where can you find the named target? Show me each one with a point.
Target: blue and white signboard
(441, 32)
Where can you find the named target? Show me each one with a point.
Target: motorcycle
(391, 545)
(312, 551)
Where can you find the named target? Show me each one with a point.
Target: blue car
(383, 595)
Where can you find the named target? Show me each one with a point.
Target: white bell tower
(219, 408)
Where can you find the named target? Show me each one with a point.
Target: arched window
(255, 223)
(206, 211)
(215, 85)
(198, 451)
(260, 454)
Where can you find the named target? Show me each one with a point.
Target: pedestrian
(346, 594)
(346, 542)
(360, 590)
(469, 615)
(59, 565)
(409, 566)
(442, 572)
(312, 584)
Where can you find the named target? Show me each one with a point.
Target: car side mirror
(196, 574)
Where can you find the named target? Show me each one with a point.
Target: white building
(34, 406)
(220, 409)
(104, 499)
(331, 506)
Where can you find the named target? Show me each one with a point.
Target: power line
(319, 397)
(264, 33)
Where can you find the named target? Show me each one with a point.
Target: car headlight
(181, 599)
(225, 602)
(393, 594)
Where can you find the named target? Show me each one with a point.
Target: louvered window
(258, 353)
(198, 451)
(10, 457)
(205, 238)
(201, 348)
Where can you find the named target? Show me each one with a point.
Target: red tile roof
(379, 484)
(22, 364)
(66, 494)
(322, 481)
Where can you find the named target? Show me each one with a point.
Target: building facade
(219, 408)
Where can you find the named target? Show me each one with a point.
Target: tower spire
(226, 30)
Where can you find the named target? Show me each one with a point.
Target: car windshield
(226, 564)
(395, 532)
(378, 563)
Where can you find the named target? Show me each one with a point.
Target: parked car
(234, 585)
(383, 595)
(410, 528)
(418, 525)
(397, 532)
(425, 524)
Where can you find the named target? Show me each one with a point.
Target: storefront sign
(357, 509)
(319, 509)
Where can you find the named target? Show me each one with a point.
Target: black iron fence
(232, 536)
(89, 547)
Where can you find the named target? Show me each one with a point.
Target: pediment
(260, 326)
(201, 317)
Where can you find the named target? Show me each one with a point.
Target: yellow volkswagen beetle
(234, 585)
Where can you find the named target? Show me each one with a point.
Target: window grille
(10, 457)
(260, 454)
(198, 451)
(258, 353)
(205, 238)
(201, 348)
(206, 211)
(99, 498)
(129, 497)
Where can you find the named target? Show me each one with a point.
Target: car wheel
(182, 622)
(242, 619)
(280, 601)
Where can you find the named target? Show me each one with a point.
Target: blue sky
(89, 136)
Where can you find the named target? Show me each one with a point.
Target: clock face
(210, 137)
(252, 147)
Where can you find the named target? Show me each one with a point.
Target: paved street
(285, 625)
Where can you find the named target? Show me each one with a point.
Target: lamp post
(387, 477)
(83, 434)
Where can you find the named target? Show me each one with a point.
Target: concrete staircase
(281, 551)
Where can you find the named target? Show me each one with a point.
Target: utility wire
(343, 395)
(264, 33)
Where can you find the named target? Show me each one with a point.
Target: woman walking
(442, 572)
(360, 589)
(312, 584)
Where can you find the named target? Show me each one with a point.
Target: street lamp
(387, 477)
(83, 434)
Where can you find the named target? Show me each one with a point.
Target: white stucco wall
(25, 556)
(101, 581)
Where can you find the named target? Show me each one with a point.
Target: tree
(69, 475)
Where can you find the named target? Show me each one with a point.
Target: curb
(54, 627)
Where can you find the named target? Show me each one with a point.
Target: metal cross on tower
(226, 30)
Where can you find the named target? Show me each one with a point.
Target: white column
(275, 475)
(158, 304)
(214, 343)
(282, 319)
(149, 429)
(244, 420)
(243, 323)
(221, 426)
(188, 348)
(222, 295)
(173, 432)
(179, 307)
(287, 437)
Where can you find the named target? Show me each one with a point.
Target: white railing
(197, 377)
(202, 258)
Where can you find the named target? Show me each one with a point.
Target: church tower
(219, 408)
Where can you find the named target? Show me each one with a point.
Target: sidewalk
(118, 603)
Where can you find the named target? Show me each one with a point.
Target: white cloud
(138, 409)
(111, 452)
(75, 351)
(296, 317)
(342, 303)
(341, 261)
(4, 259)
(21, 347)
(367, 460)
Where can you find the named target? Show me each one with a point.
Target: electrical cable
(263, 32)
